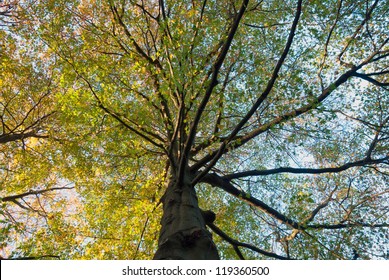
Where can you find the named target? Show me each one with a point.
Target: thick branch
(32, 192)
(9, 137)
(306, 170)
(212, 84)
(367, 77)
(217, 181)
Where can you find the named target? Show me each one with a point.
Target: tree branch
(212, 84)
(348, 225)
(243, 139)
(139, 50)
(366, 77)
(319, 207)
(220, 182)
(236, 244)
(138, 132)
(364, 21)
(338, 169)
(10, 137)
(33, 192)
(217, 155)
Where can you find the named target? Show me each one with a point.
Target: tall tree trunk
(183, 233)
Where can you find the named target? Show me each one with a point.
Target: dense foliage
(276, 112)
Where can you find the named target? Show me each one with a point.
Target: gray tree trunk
(183, 234)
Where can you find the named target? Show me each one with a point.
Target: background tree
(264, 122)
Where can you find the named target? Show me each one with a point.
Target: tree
(263, 122)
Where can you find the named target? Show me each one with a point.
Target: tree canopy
(135, 129)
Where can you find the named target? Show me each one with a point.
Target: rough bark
(183, 234)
